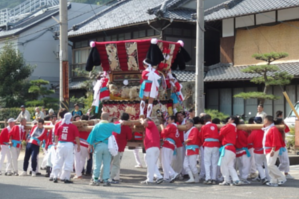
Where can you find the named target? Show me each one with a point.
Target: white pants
(211, 156)
(202, 163)
(65, 157)
(227, 166)
(152, 155)
(284, 160)
(167, 155)
(274, 172)
(137, 158)
(190, 163)
(252, 161)
(115, 166)
(178, 160)
(244, 166)
(44, 162)
(5, 152)
(260, 161)
(50, 156)
(15, 152)
(80, 159)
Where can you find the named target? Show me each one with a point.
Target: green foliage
(256, 95)
(291, 139)
(270, 57)
(6, 113)
(269, 75)
(216, 114)
(13, 75)
(42, 92)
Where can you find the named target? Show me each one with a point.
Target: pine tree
(40, 88)
(13, 74)
(268, 75)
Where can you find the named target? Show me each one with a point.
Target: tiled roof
(185, 76)
(227, 72)
(234, 8)
(130, 12)
(29, 21)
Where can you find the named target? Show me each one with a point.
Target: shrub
(6, 113)
(216, 114)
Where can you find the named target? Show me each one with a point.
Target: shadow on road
(26, 192)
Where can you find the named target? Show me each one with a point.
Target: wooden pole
(290, 103)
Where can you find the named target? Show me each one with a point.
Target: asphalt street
(39, 187)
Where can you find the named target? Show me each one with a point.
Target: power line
(49, 27)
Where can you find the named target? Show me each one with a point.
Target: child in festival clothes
(228, 135)
(170, 140)
(272, 144)
(81, 156)
(4, 147)
(256, 138)
(243, 155)
(16, 136)
(192, 143)
(210, 137)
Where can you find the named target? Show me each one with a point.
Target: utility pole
(63, 56)
(199, 71)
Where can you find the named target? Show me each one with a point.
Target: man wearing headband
(65, 136)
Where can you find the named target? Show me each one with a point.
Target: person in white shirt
(260, 112)
(39, 114)
(24, 114)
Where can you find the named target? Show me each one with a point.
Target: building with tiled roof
(36, 35)
(247, 27)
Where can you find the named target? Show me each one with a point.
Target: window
(80, 59)
(278, 104)
(226, 101)
(128, 35)
(121, 36)
(238, 105)
(212, 102)
(290, 89)
(150, 32)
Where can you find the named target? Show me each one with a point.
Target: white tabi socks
(142, 106)
(149, 110)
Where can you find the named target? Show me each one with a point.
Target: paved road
(40, 188)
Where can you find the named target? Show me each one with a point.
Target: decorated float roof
(128, 55)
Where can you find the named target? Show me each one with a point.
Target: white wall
(288, 14)
(244, 21)
(266, 17)
(41, 52)
(228, 28)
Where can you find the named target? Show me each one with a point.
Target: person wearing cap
(24, 114)
(65, 135)
(38, 114)
(256, 138)
(152, 147)
(37, 135)
(4, 147)
(77, 111)
(16, 136)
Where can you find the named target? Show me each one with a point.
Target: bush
(6, 113)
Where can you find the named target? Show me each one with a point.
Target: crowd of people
(226, 156)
